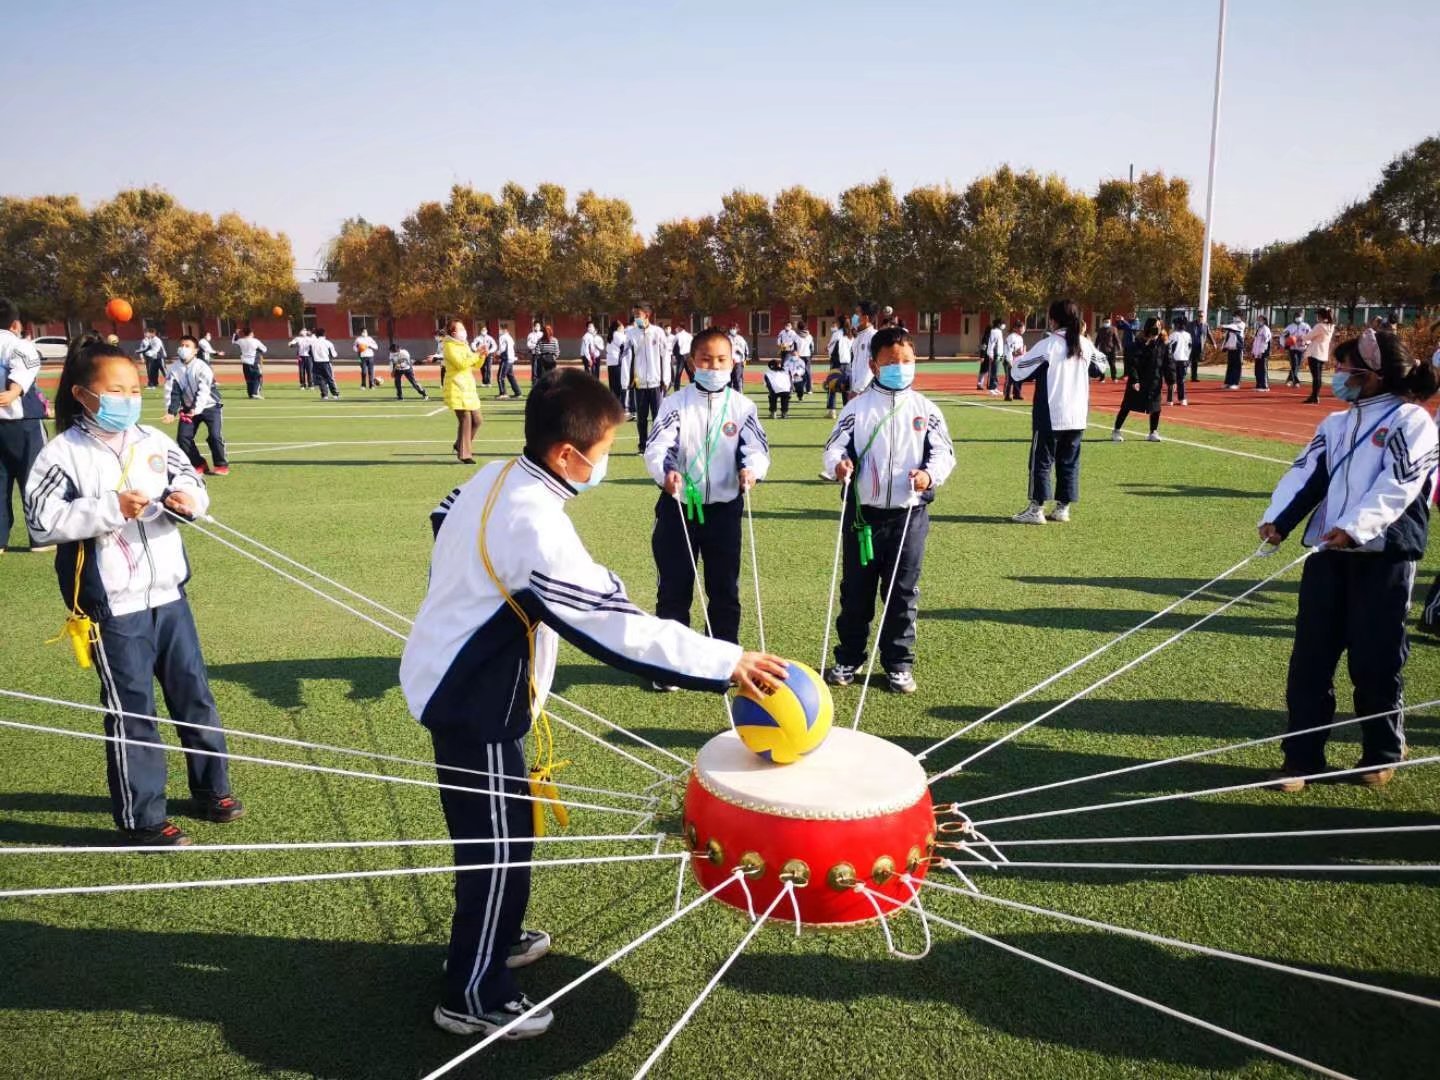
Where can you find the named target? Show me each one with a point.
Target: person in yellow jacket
(461, 396)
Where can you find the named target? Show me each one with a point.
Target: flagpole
(1204, 304)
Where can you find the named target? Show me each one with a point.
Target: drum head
(851, 775)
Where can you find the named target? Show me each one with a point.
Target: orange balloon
(119, 310)
(277, 311)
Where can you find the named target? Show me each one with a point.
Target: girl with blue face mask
(1365, 483)
(107, 490)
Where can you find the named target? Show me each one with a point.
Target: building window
(363, 324)
(966, 331)
(929, 320)
(158, 325)
(760, 322)
(1035, 321)
(308, 320)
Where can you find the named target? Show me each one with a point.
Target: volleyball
(277, 311)
(119, 310)
(788, 722)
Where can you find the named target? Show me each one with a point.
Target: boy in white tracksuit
(509, 578)
(892, 445)
(192, 398)
(706, 450)
(1365, 481)
(650, 369)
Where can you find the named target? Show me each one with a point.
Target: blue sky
(299, 114)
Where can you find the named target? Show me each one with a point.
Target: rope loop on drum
(913, 904)
(965, 827)
(739, 878)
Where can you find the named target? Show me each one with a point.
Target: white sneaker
(532, 945)
(464, 1024)
(1061, 512)
(663, 688)
(1115, 436)
(1154, 436)
(994, 393)
(1183, 404)
(1034, 514)
(1262, 389)
(829, 414)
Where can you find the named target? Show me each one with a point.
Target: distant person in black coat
(1144, 379)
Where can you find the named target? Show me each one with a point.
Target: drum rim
(771, 810)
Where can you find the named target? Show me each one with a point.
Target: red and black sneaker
(221, 809)
(221, 470)
(166, 834)
(202, 468)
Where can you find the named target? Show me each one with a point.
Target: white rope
(694, 1007)
(308, 845)
(1280, 834)
(1042, 684)
(834, 579)
(1189, 1018)
(683, 865)
(1122, 669)
(289, 577)
(704, 601)
(1205, 950)
(884, 611)
(308, 569)
(755, 570)
(616, 727)
(1229, 868)
(1196, 755)
(501, 1032)
(912, 904)
(339, 875)
(303, 745)
(1207, 791)
(328, 770)
(609, 746)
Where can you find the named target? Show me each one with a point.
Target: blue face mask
(709, 379)
(896, 376)
(1340, 384)
(641, 321)
(117, 412)
(597, 473)
(855, 322)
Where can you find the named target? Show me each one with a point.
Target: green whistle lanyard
(694, 499)
(863, 533)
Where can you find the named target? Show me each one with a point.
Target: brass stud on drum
(714, 852)
(883, 870)
(913, 860)
(797, 872)
(842, 877)
(692, 834)
(752, 865)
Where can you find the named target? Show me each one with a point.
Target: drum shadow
(321, 1008)
(280, 682)
(1019, 997)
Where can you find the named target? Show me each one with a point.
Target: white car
(52, 348)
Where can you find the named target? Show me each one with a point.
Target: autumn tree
(368, 263)
(602, 249)
(865, 250)
(932, 239)
(533, 231)
(801, 226)
(740, 244)
(117, 253)
(677, 269)
(40, 238)
(1148, 244)
(1408, 194)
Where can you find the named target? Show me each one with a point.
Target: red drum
(854, 811)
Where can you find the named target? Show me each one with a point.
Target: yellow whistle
(80, 630)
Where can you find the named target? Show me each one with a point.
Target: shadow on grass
(280, 682)
(1189, 491)
(1171, 588)
(47, 832)
(1010, 994)
(321, 1008)
(1117, 620)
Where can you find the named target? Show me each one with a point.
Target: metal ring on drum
(856, 811)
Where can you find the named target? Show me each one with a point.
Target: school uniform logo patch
(1378, 439)
(157, 463)
(729, 429)
(918, 423)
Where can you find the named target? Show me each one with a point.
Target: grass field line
(262, 447)
(1107, 427)
(271, 448)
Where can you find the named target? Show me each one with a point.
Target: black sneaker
(840, 675)
(221, 809)
(166, 834)
(487, 1023)
(901, 682)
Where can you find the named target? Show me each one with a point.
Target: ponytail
(84, 355)
(1399, 373)
(1064, 314)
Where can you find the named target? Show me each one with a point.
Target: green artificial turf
(337, 979)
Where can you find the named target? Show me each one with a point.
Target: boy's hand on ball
(132, 503)
(1337, 540)
(844, 470)
(181, 503)
(758, 672)
(1269, 534)
(674, 483)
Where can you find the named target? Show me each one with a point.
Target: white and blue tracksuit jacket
(190, 388)
(1369, 471)
(909, 432)
(73, 499)
(1062, 381)
(689, 420)
(466, 663)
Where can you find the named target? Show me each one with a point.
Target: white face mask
(185, 352)
(597, 473)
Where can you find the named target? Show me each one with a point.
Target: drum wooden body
(856, 810)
